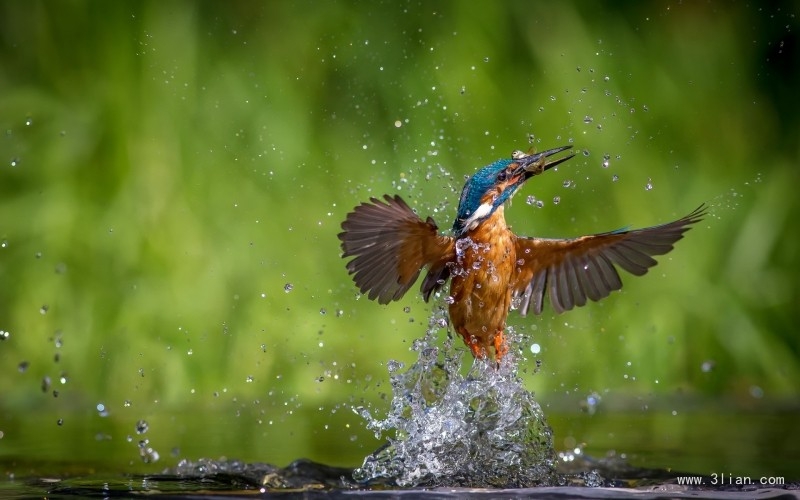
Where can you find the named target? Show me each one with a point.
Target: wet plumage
(488, 266)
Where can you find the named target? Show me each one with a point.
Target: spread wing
(572, 270)
(391, 245)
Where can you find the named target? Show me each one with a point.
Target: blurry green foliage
(168, 168)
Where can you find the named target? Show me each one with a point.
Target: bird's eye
(501, 177)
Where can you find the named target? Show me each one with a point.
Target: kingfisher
(491, 270)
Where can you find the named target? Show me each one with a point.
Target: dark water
(736, 443)
(584, 478)
(457, 431)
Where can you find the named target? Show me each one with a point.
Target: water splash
(479, 429)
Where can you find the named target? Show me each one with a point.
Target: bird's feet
(500, 346)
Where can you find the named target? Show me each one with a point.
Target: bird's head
(495, 184)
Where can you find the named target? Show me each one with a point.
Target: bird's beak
(534, 164)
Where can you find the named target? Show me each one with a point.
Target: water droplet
(567, 183)
(14, 162)
(288, 287)
(147, 453)
(591, 403)
(142, 427)
(4, 335)
(708, 366)
(127, 403)
(101, 410)
(249, 379)
(649, 185)
(394, 365)
(536, 348)
(323, 311)
(43, 310)
(60, 421)
(614, 178)
(587, 119)
(46, 383)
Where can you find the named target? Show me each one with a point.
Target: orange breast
(480, 291)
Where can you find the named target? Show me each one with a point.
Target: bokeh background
(173, 176)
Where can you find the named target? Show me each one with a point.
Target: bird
(491, 270)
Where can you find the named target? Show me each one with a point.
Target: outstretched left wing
(572, 270)
(391, 245)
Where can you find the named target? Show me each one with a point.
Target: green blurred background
(173, 176)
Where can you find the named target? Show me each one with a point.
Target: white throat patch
(481, 212)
